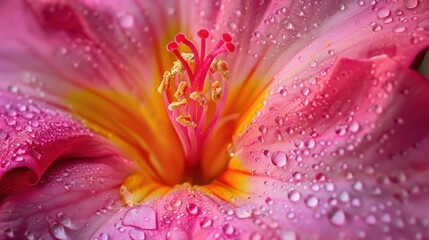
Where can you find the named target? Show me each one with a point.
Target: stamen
(200, 98)
(177, 105)
(165, 83)
(186, 121)
(223, 68)
(181, 89)
(197, 76)
(216, 91)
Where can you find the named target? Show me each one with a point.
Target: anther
(200, 98)
(186, 121)
(165, 83)
(222, 67)
(216, 91)
(181, 90)
(213, 66)
(177, 105)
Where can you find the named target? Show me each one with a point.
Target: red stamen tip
(203, 33)
(180, 37)
(171, 46)
(226, 37)
(230, 47)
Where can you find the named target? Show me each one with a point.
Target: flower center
(195, 92)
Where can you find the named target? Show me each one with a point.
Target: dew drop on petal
(312, 202)
(228, 229)
(192, 209)
(383, 13)
(243, 212)
(411, 4)
(288, 25)
(137, 234)
(305, 91)
(126, 20)
(64, 219)
(354, 127)
(142, 216)
(294, 196)
(9, 232)
(279, 159)
(399, 29)
(206, 222)
(57, 231)
(176, 202)
(338, 218)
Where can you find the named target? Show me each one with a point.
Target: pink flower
(295, 119)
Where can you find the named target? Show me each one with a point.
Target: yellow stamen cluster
(200, 97)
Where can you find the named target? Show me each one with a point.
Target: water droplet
(344, 196)
(371, 220)
(411, 4)
(383, 13)
(137, 234)
(338, 218)
(143, 217)
(9, 232)
(176, 202)
(103, 236)
(358, 186)
(294, 196)
(243, 212)
(263, 129)
(64, 220)
(354, 127)
(228, 229)
(399, 29)
(305, 91)
(57, 231)
(312, 202)
(206, 223)
(288, 25)
(279, 159)
(192, 209)
(342, 7)
(126, 20)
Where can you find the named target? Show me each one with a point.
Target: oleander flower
(289, 119)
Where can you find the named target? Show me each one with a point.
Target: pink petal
(72, 200)
(32, 136)
(60, 46)
(345, 156)
(57, 179)
(296, 38)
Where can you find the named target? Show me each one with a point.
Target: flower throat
(195, 91)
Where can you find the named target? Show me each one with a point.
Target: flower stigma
(195, 91)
